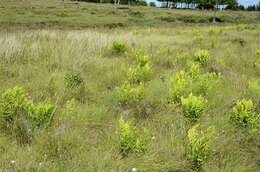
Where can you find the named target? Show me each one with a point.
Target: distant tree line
(186, 4)
(123, 2)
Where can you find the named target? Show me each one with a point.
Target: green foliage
(178, 86)
(207, 82)
(73, 80)
(139, 73)
(197, 38)
(243, 115)
(199, 145)
(194, 71)
(19, 115)
(129, 94)
(202, 56)
(193, 107)
(131, 141)
(118, 47)
(257, 60)
(75, 87)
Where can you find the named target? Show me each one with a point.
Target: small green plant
(257, 60)
(254, 87)
(139, 73)
(119, 47)
(194, 71)
(130, 140)
(243, 115)
(178, 86)
(73, 80)
(20, 116)
(197, 38)
(129, 94)
(199, 145)
(193, 107)
(207, 82)
(202, 56)
(74, 87)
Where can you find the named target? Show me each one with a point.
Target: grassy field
(71, 14)
(94, 78)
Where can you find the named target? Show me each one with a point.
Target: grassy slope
(53, 13)
(87, 138)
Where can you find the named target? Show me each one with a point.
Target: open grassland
(78, 15)
(86, 75)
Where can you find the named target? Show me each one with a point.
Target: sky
(242, 2)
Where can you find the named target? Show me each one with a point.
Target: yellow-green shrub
(202, 56)
(178, 86)
(129, 94)
(18, 114)
(193, 107)
(118, 47)
(139, 73)
(199, 145)
(243, 115)
(130, 140)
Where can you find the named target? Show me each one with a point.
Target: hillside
(91, 88)
(71, 14)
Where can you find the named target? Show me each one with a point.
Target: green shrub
(199, 145)
(139, 73)
(254, 88)
(42, 114)
(194, 71)
(73, 80)
(119, 47)
(20, 116)
(129, 94)
(202, 56)
(74, 87)
(178, 86)
(207, 82)
(257, 60)
(243, 115)
(193, 107)
(131, 141)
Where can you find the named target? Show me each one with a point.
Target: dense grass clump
(202, 57)
(119, 47)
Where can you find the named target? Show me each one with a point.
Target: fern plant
(178, 86)
(129, 94)
(139, 73)
(193, 107)
(202, 57)
(130, 140)
(199, 145)
(243, 115)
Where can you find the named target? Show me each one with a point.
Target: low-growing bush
(118, 47)
(194, 71)
(139, 73)
(199, 145)
(257, 60)
(73, 80)
(74, 87)
(18, 114)
(130, 140)
(202, 57)
(207, 82)
(178, 86)
(193, 107)
(243, 115)
(130, 94)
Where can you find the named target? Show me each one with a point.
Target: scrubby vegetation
(136, 99)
